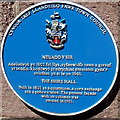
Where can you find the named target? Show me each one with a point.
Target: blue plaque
(59, 58)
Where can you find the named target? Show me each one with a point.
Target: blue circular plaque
(59, 58)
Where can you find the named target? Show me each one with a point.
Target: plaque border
(95, 15)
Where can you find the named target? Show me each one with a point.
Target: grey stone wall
(10, 105)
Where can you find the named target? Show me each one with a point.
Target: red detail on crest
(56, 41)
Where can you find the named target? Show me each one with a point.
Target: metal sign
(59, 58)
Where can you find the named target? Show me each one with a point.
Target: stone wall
(12, 106)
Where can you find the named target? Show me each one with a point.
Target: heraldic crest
(56, 31)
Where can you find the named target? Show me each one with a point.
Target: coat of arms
(56, 31)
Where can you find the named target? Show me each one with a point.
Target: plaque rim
(89, 11)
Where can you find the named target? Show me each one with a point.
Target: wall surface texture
(10, 105)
